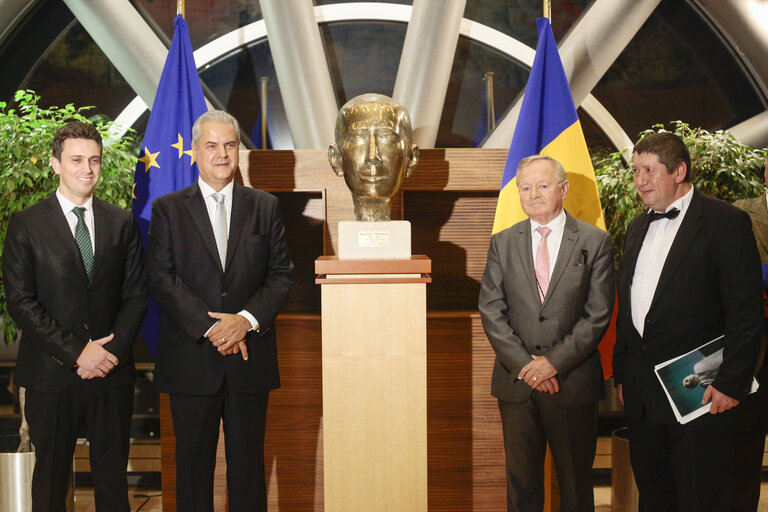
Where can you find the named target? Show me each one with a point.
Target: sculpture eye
(387, 135)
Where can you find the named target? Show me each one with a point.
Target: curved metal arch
(360, 11)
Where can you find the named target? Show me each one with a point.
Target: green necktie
(83, 239)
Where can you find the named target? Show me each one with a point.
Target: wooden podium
(374, 383)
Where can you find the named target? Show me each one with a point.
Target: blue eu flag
(166, 163)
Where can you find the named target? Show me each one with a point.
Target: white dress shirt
(210, 205)
(66, 207)
(650, 261)
(557, 225)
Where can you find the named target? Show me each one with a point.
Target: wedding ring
(223, 340)
(535, 377)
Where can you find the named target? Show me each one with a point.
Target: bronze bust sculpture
(373, 152)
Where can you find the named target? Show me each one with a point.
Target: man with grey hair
(218, 266)
(546, 299)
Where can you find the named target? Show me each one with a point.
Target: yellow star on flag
(149, 159)
(179, 145)
(191, 155)
(133, 192)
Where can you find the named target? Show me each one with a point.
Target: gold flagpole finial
(548, 10)
(180, 8)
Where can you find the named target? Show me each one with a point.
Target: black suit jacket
(186, 280)
(709, 285)
(54, 303)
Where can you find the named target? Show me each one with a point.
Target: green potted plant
(721, 167)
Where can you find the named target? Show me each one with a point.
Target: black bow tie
(671, 214)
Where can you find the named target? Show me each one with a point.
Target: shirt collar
(556, 224)
(681, 203)
(67, 205)
(206, 190)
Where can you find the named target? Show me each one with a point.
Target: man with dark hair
(690, 273)
(218, 266)
(74, 281)
(545, 301)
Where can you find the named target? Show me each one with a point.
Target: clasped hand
(96, 361)
(540, 375)
(228, 334)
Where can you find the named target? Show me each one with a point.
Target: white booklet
(686, 377)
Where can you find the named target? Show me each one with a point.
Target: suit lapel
(102, 225)
(685, 236)
(632, 245)
(241, 206)
(525, 254)
(195, 205)
(58, 224)
(567, 245)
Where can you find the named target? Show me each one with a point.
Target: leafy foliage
(722, 167)
(26, 134)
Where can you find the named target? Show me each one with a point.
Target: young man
(73, 271)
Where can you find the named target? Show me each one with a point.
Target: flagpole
(264, 80)
(180, 8)
(490, 114)
(548, 10)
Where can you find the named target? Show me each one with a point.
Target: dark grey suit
(566, 329)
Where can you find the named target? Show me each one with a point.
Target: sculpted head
(373, 152)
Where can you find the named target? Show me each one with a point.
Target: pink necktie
(542, 262)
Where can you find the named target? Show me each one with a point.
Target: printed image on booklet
(686, 377)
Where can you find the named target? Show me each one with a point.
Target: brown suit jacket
(757, 208)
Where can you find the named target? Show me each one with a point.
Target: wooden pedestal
(374, 383)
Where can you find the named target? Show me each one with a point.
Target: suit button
(85, 326)
(541, 319)
(644, 346)
(224, 294)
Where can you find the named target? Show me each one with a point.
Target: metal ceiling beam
(425, 64)
(588, 50)
(126, 40)
(302, 71)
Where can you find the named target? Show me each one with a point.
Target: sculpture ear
(334, 157)
(412, 161)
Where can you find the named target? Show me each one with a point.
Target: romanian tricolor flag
(548, 125)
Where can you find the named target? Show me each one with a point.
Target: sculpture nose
(373, 151)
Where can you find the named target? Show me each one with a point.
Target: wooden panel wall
(449, 199)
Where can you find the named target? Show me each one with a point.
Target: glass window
(517, 18)
(75, 70)
(206, 20)
(463, 123)
(363, 57)
(234, 80)
(677, 68)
